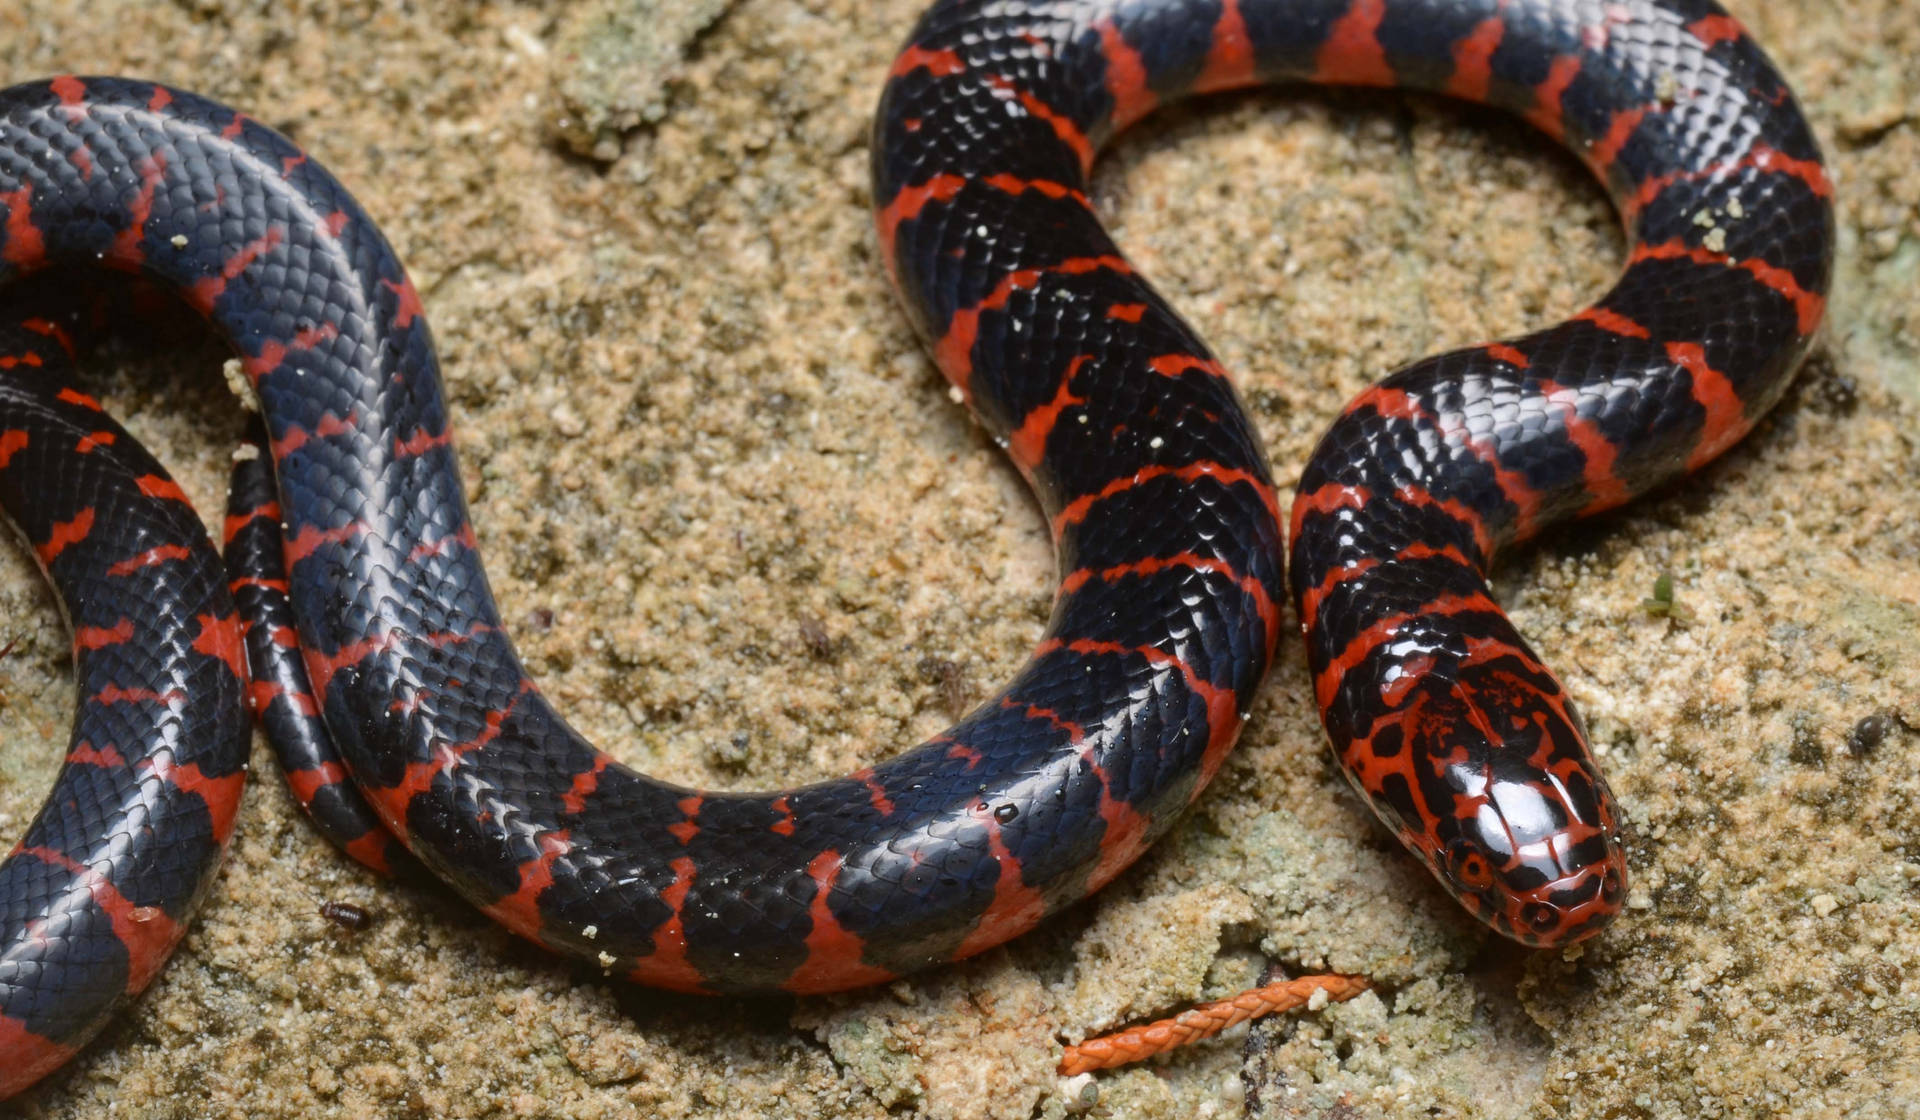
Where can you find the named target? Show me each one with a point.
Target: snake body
(380, 649)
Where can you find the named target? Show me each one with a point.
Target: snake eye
(1468, 865)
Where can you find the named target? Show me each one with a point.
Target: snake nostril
(1539, 917)
(1610, 885)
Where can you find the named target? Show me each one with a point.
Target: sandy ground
(746, 540)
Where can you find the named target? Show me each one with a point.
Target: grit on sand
(745, 539)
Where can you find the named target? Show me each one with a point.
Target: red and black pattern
(280, 690)
(95, 895)
(1453, 730)
(1449, 726)
(1164, 626)
(1154, 483)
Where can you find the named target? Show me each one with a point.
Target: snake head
(1478, 761)
(1529, 841)
(1535, 853)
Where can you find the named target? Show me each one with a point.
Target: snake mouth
(1570, 909)
(1557, 890)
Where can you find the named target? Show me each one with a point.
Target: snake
(378, 656)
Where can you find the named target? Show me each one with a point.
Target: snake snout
(1535, 854)
(1571, 909)
(1561, 867)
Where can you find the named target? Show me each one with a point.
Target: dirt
(746, 540)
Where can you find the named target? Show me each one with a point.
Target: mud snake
(378, 654)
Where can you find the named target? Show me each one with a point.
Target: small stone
(1080, 1093)
(235, 376)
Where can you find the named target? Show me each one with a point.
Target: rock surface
(745, 540)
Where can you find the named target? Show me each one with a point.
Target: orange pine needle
(1204, 1021)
